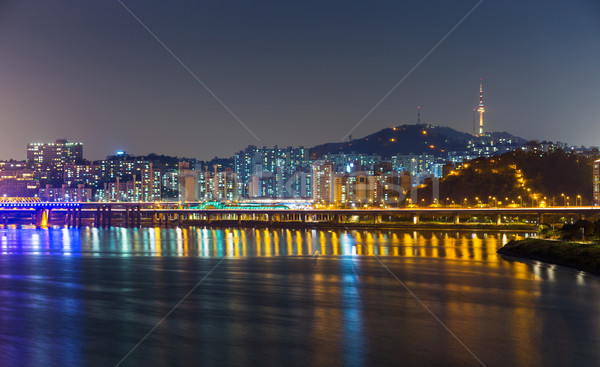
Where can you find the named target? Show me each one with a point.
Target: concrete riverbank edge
(578, 256)
(361, 226)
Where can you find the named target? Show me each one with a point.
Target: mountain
(407, 139)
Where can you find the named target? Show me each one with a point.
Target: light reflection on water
(207, 242)
(466, 247)
(72, 297)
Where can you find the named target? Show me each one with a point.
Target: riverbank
(579, 256)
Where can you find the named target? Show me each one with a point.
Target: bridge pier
(498, 219)
(416, 219)
(42, 217)
(456, 219)
(73, 217)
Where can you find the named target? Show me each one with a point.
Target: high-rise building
(187, 183)
(217, 185)
(49, 159)
(273, 167)
(413, 163)
(86, 174)
(323, 183)
(145, 180)
(340, 184)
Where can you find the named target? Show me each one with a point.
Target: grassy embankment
(580, 256)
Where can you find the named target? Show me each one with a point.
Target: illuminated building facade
(357, 189)
(66, 193)
(217, 186)
(144, 180)
(86, 174)
(414, 163)
(278, 170)
(16, 180)
(323, 182)
(341, 197)
(49, 159)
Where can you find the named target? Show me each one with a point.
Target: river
(235, 297)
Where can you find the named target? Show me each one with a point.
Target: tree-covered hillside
(555, 178)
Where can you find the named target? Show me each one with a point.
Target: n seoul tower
(480, 108)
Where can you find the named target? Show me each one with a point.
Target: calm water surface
(88, 297)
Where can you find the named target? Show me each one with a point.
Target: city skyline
(266, 182)
(294, 75)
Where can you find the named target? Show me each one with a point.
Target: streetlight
(564, 199)
(580, 200)
(520, 198)
(447, 201)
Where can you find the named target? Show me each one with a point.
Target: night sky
(295, 73)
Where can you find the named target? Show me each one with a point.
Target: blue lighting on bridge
(38, 205)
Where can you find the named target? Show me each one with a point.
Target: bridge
(38, 211)
(106, 214)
